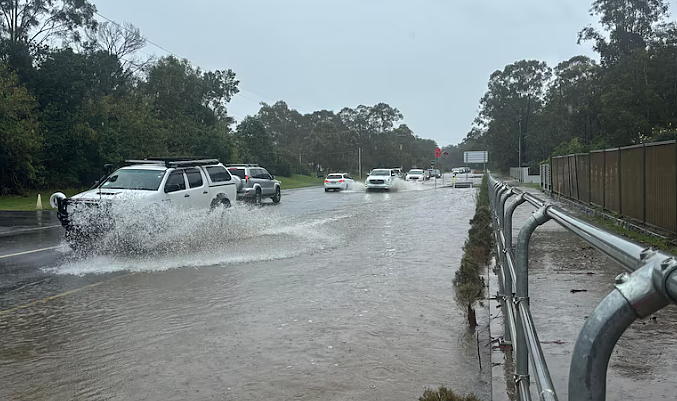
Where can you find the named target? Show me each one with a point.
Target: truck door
(198, 188)
(176, 190)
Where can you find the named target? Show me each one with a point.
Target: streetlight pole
(359, 160)
(519, 158)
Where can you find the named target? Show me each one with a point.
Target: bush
(444, 394)
(282, 169)
(477, 250)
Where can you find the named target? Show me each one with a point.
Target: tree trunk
(472, 319)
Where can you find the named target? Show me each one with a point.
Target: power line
(179, 57)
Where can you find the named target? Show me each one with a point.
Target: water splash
(136, 236)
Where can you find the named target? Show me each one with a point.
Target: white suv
(381, 178)
(201, 184)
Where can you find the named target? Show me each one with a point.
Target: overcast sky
(431, 59)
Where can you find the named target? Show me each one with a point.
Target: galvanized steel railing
(650, 285)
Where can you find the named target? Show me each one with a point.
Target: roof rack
(242, 165)
(175, 161)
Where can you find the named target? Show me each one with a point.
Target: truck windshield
(144, 180)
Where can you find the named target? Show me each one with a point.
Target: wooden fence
(637, 182)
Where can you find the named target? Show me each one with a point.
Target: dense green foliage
(74, 96)
(628, 97)
(477, 250)
(328, 140)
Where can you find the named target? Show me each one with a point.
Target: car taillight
(326, 180)
(340, 180)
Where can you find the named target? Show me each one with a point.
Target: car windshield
(380, 172)
(334, 177)
(144, 180)
(415, 172)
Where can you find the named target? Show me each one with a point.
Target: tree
(20, 137)
(121, 41)
(514, 96)
(257, 144)
(179, 89)
(630, 24)
(39, 22)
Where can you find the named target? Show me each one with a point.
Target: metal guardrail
(650, 285)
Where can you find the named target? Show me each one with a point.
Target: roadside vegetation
(299, 181)
(76, 93)
(29, 199)
(468, 282)
(624, 96)
(444, 394)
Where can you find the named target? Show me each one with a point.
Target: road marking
(60, 295)
(28, 229)
(27, 252)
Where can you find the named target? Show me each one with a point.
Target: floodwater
(644, 361)
(336, 296)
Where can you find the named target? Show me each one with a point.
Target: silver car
(256, 183)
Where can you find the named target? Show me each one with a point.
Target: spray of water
(137, 236)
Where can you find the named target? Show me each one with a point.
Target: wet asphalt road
(327, 295)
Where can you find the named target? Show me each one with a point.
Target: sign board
(480, 156)
(432, 163)
(438, 152)
(445, 155)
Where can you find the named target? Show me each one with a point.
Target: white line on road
(27, 252)
(29, 229)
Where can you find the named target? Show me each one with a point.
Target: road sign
(432, 163)
(438, 152)
(481, 156)
(445, 155)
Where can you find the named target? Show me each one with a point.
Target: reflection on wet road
(336, 296)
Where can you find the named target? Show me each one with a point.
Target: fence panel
(632, 182)
(556, 162)
(597, 178)
(572, 179)
(612, 199)
(661, 187)
(583, 177)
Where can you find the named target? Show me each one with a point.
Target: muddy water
(644, 360)
(326, 296)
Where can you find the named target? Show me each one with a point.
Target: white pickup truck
(202, 184)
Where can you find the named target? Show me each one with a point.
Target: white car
(200, 184)
(415, 175)
(338, 181)
(381, 178)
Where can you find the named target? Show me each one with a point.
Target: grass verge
(610, 224)
(299, 181)
(664, 244)
(29, 200)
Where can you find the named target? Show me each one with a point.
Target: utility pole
(519, 158)
(359, 160)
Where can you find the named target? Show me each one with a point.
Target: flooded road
(327, 295)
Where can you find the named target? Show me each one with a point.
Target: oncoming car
(415, 175)
(190, 184)
(338, 181)
(381, 178)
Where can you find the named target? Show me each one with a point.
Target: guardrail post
(522, 291)
(501, 205)
(636, 295)
(508, 289)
